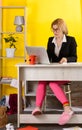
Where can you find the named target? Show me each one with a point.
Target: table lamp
(19, 21)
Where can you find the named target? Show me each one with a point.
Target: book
(28, 128)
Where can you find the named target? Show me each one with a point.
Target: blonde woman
(60, 48)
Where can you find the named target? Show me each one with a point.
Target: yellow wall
(42, 12)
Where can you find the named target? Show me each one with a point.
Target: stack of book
(5, 80)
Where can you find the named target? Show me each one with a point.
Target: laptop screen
(40, 52)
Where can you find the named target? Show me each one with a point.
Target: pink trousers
(55, 87)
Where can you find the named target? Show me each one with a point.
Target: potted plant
(11, 39)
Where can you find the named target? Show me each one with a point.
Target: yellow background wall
(40, 14)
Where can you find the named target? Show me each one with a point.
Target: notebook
(40, 52)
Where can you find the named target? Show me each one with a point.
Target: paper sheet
(73, 128)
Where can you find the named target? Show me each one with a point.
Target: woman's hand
(63, 60)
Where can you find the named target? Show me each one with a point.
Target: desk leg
(19, 101)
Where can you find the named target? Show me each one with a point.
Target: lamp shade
(19, 20)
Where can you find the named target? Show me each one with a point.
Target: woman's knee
(43, 83)
(52, 83)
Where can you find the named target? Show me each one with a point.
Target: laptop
(40, 52)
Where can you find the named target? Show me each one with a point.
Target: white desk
(69, 71)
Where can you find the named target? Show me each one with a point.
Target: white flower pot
(10, 52)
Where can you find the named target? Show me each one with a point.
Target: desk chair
(67, 90)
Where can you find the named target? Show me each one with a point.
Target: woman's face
(57, 31)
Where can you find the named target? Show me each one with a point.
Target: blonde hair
(61, 24)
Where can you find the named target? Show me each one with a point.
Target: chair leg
(67, 90)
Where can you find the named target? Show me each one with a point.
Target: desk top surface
(71, 64)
